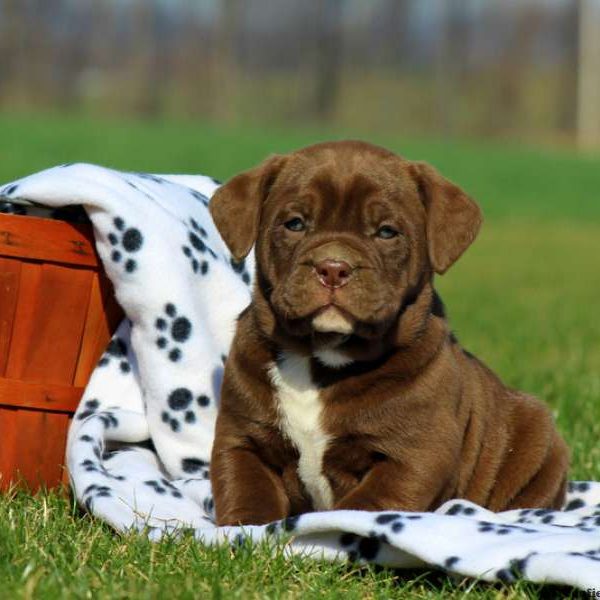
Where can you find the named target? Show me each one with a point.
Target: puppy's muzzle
(333, 273)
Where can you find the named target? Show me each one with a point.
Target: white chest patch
(300, 410)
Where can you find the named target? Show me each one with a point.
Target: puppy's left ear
(236, 206)
(453, 219)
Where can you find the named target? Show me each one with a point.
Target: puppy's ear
(453, 219)
(236, 206)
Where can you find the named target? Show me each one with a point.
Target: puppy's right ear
(236, 206)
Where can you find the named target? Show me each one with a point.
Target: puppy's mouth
(333, 319)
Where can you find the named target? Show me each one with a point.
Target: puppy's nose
(333, 273)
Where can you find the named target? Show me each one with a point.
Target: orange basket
(57, 314)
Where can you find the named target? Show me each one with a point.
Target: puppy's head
(345, 233)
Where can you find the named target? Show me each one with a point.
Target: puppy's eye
(295, 224)
(385, 232)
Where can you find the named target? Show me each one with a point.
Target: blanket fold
(138, 450)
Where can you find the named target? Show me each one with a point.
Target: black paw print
(451, 561)
(578, 486)
(117, 349)
(360, 547)
(590, 554)
(395, 521)
(515, 569)
(537, 515)
(164, 487)
(178, 328)
(151, 177)
(574, 504)
(459, 509)
(180, 400)
(196, 466)
(287, 524)
(108, 420)
(197, 248)
(198, 196)
(91, 406)
(592, 520)
(98, 451)
(240, 268)
(9, 190)
(91, 466)
(94, 491)
(126, 240)
(501, 528)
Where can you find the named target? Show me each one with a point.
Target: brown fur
(415, 420)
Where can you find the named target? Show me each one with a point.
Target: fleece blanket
(139, 447)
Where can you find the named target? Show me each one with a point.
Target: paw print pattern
(593, 554)
(197, 248)
(196, 466)
(90, 406)
(151, 177)
(9, 190)
(108, 420)
(362, 548)
(574, 504)
(395, 521)
(514, 570)
(198, 196)
(91, 466)
(163, 487)
(367, 547)
(240, 268)
(126, 242)
(175, 327)
(578, 486)
(94, 491)
(459, 509)
(538, 515)
(181, 401)
(288, 524)
(117, 349)
(589, 521)
(501, 528)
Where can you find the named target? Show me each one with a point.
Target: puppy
(345, 388)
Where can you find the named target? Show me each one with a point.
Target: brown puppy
(345, 388)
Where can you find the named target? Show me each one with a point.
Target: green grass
(524, 299)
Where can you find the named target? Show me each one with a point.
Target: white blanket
(139, 446)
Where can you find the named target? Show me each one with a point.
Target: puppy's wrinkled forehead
(335, 181)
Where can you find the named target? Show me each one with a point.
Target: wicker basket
(57, 313)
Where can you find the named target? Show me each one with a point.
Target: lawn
(523, 298)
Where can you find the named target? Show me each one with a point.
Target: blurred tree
(226, 72)
(328, 57)
(150, 58)
(567, 89)
(588, 105)
(451, 61)
(513, 70)
(526, 68)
